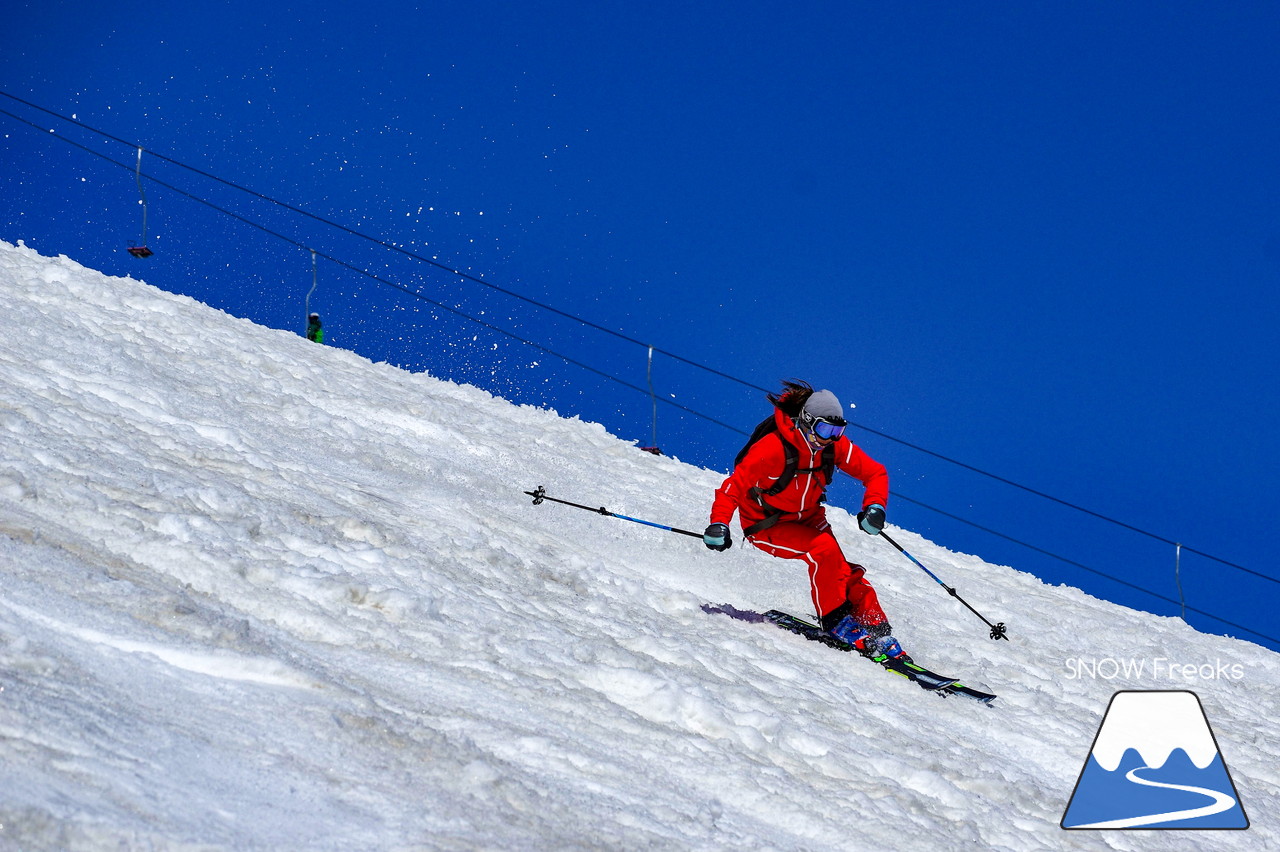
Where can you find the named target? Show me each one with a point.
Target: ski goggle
(827, 431)
(823, 430)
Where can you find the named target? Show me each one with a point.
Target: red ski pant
(833, 580)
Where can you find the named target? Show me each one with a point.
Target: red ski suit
(803, 532)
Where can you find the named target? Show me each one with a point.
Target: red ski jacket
(764, 463)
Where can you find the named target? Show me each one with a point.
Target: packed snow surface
(260, 593)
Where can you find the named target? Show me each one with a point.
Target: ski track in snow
(264, 594)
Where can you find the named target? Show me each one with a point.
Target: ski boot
(874, 642)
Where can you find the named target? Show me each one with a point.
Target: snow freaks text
(1157, 669)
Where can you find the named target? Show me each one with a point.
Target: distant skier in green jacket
(314, 330)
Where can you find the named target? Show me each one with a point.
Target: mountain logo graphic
(1155, 764)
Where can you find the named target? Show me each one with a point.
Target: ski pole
(997, 630)
(540, 494)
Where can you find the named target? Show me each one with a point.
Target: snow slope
(263, 594)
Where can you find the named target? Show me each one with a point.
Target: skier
(790, 521)
(314, 330)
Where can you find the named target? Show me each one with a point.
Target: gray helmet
(821, 421)
(823, 405)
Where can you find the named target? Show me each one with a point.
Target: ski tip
(962, 691)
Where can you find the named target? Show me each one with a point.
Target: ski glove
(871, 519)
(717, 537)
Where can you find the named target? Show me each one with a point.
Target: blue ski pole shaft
(998, 631)
(539, 494)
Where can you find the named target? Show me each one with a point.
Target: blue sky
(1040, 239)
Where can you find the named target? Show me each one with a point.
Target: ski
(917, 674)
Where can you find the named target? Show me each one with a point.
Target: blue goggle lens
(827, 431)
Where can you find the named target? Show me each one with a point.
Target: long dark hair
(795, 393)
